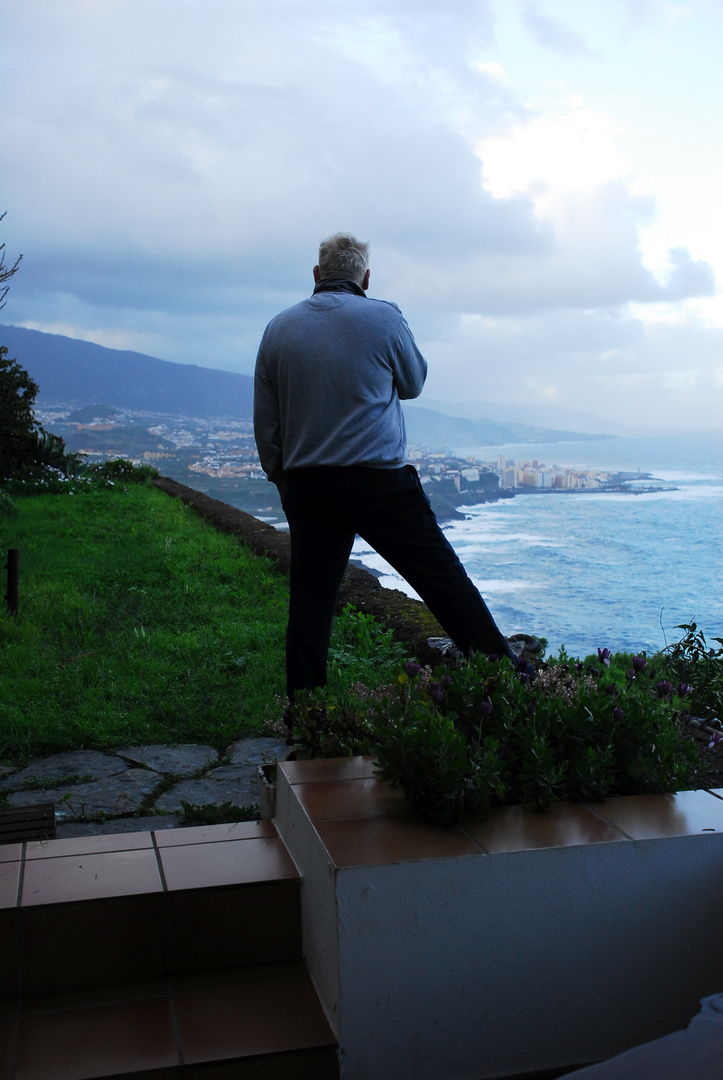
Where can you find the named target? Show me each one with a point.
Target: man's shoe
(524, 645)
(444, 648)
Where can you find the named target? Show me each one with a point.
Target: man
(330, 432)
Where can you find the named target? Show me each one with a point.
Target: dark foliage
(20, 432)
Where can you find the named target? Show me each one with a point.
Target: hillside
(78, 373)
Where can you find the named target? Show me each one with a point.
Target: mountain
(78, 373)
(426, 427)
(544, 415)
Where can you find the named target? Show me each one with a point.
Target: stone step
(138, 906)
(260, 1021)
(157, 955)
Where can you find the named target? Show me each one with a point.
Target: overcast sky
(540, 182)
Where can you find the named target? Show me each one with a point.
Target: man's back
(329, 375)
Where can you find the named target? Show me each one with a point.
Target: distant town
(214, 454)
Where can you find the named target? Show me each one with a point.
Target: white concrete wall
(491, 965)
(482, 967)
(318, 898)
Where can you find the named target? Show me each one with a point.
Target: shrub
(696, 669)
(74, 477)
(459, 742)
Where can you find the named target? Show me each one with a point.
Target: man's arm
(267, 422)
(410, 367)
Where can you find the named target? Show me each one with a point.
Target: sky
(538, 180)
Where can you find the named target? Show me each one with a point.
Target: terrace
(346, 938)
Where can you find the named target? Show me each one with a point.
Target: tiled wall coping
(518, 943)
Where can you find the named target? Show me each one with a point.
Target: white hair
(343, 256)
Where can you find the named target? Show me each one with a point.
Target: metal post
(13, 580)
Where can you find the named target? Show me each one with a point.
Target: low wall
(522, 943)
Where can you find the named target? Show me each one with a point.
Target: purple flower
(604, 656)
(446, 681)
(715, 738)
(436, 693)
(595, 672)
(618, 714)
(630, 674)
(486, 708)
(664, 689)
(579, 667)
(683, 689)
(411, 668)
(639, 663)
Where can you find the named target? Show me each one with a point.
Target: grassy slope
(138, 623)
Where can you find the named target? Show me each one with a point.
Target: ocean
(593, 569)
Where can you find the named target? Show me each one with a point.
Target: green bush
(73, 476)
(697, 667)
(460, 742)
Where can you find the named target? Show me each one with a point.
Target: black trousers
(326, 508)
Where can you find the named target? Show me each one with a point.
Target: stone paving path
(138, 787)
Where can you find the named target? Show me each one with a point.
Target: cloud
(170, 167)
(551, 34)
(688, 277)
(618, 367)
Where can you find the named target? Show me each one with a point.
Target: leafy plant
(324, 727)
(697, 669)
(362, 645)
(7, 509)
(459, 742)
(120, 469)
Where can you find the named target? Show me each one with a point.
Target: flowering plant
(464, 740)
(459, 744)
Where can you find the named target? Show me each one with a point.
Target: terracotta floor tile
(7, 1030)
(512, 828)
(327, 769)
(314, 1064)
(233, 862)
(11, 852)
(248, 924)
(643, 817)
(237, 1021)
(175, 1072)
(90, 877)
(290, 972)
(350, 798)
(380, 840)
(209, 834)
(9, 884)
(107, 1040)
(142, 990)
(8, 954)
(87, 944)
(87, 845)
(8, 1005)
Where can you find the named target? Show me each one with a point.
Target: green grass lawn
(139, 623)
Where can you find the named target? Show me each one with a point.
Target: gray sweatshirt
(329, 375)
